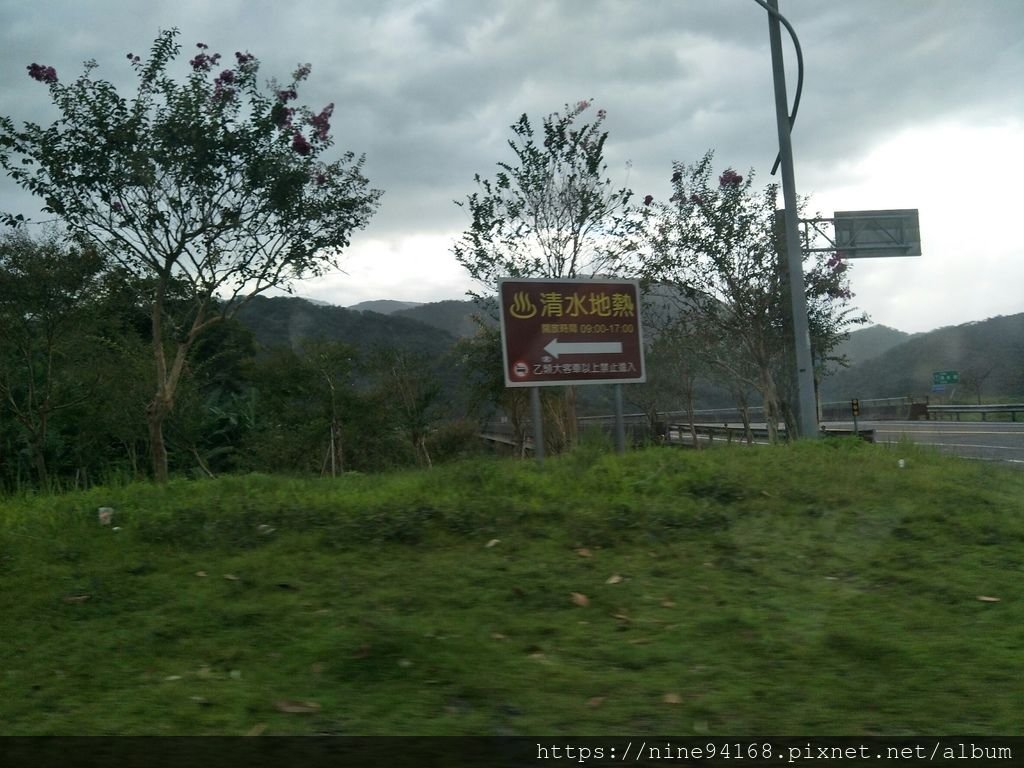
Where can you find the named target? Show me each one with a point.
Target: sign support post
(806, 410)
(538, 425)
(620, 426)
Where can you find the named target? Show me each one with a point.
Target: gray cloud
(427, 89)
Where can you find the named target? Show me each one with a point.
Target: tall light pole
(806, 411)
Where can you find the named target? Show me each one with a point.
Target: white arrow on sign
(556, 348)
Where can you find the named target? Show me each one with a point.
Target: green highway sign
(946, 377)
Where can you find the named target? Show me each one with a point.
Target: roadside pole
(806, 411)
(620, 426)
(538, 426)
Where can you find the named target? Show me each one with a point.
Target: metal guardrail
(639, 427)
(956, 410)
(680, 432)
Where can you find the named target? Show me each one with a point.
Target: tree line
(180, 204)
(76, 375)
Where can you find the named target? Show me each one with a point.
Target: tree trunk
(688, 387)
(770, 395)
(156, 413)
(39, 459)
(167, 379)
(571, 425)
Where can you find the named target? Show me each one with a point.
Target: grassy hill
(815, 588)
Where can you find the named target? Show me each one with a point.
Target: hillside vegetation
(812, 588)
(867, 343)
(883, 361)
(288, 321)
(989, 356)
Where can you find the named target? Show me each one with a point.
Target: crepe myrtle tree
(215, 181)
(551, 213)
(716, 244)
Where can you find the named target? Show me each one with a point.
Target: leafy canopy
(553, 213)
(217, 180)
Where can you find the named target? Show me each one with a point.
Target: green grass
(815, 588)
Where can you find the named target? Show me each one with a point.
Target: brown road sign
(559, 332)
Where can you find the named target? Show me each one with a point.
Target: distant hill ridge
(383, 306)
(289, 321)
(988, 355)
(870, 342)
(884, 362)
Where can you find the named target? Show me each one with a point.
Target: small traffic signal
(855, 407)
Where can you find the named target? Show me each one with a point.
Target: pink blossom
(730, 178)
(321, 123)
(41, 73)
(281, 115)
(582, 105)
(299, 144)
(202, 62)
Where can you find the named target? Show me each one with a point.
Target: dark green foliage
(211, 191)
(289, 321)
(551, 212)
(458, 318)
(714, 247)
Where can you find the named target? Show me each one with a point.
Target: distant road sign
(946, 377)
(872, 234)
(558, 332)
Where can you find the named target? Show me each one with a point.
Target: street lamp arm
(799, 71)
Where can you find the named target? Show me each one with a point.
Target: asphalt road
(1001, 441)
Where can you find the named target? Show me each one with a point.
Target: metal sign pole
(806, 411)
(538, 426)
(620, 426)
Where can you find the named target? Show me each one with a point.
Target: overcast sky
(906, 104)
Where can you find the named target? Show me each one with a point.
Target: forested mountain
(867, 343)
(288, 321)
(884, 362)
(989, 355)
(383, 306)
(454, 317)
